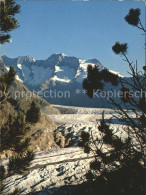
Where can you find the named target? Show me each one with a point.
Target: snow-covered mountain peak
(59, 68)
(18, 60)
(22, 59)
(63, 54)
(57, 56)
(60, 54)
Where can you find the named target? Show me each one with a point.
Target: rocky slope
(42, 133)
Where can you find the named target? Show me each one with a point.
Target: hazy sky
(82, 29)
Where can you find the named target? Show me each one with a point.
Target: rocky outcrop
(42, 134)
(61, 140)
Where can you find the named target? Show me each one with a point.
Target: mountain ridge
(58, 72)
(65, 68)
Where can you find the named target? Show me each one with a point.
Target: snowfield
(65, 166)
(84, 119)
(52, 169)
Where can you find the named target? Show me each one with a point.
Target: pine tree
(13, 132)
(96, 79)
(13, 138)
(120, 169)
(6, 80)
(33, 114)
(8, 9)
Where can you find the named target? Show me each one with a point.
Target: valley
(72, 124)
(55, 168)
(59, 163)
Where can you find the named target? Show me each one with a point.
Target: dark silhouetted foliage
(13, 132)
(95, 79)
(2, 172)
(118, 167)
(107, 76)
(13, 137)
(6, 80)
(119, 48)
(133, 17)
(8, 9)
(33, 114)
(20, 164)
(126, 96)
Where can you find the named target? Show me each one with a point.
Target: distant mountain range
(58, 72)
